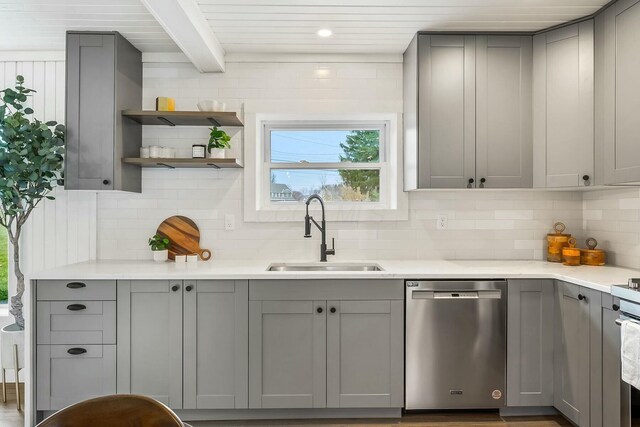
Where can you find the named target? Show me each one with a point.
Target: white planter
(11, 335)
(217, 153)
(161, 256)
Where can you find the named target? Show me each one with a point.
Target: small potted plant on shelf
(159, 245)
(218, 142)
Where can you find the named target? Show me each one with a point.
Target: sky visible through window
(311, 146)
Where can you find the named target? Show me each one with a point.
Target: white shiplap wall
(61, 231)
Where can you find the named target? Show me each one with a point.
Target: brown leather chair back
(122, 410)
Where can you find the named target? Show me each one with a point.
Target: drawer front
(76, 322)
(87, 290)
(68, 374)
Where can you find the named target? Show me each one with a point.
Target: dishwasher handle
(457, 295)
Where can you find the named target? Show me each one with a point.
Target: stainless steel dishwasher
(455, 344)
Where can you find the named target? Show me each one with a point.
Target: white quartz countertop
(598, 278)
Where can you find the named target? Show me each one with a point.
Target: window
(344, 162)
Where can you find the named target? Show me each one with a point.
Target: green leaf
(28, 111)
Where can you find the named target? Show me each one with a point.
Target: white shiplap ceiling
(373, 26)
(41, 24)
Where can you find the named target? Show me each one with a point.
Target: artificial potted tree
(159, 246)
(218, 142)
(31, 165)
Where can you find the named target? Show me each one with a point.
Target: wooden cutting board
(184, 236)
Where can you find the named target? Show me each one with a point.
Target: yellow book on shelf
(165, 104)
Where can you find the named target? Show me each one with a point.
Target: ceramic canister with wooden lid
(556, 241)
(571, 254)
(592, 256)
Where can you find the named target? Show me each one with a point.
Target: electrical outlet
(229, 222)
(442, 222)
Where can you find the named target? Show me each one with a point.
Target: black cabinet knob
(483, 180)
(615, 307)
(188, 288)
(319, 310)
(333, 309)
(106, 182)
(175, 288)
(471, 180)
(585, 177)
(76, 351)
(582, 297)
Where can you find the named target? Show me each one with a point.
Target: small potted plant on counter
(218, 142)
(159, 245)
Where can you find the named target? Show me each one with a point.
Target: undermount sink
(324, 267)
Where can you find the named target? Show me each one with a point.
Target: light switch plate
(229, 222)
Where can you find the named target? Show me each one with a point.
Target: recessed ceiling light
(325, 32)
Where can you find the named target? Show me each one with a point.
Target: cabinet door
(622, 92)
(572, 347)
(287, 354)
(90, 110)
(530, 343)
(150, 339)
(364, 354)
(503, 111)
(216, 344)
(446, 148)
(563, 135)
(68, 374)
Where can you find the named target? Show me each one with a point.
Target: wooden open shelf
(174, 163)
(185, 118)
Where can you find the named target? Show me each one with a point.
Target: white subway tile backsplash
(482, 224)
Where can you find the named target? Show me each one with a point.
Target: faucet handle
(332, 251)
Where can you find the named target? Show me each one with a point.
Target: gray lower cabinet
(184, 343)
(563, 107)
(577, 320)
(287, 354)
(364, 354)
(104, 77)
(326, 344)
(621, 92)
(215, 344)
(150, 339)
(530, 343)
(68, 374)
(503, 111)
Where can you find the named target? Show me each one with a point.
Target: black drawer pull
(615, 307)
(76, 351)
(76, 285)
(76, 307)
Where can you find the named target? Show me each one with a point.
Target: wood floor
(420, 420)
(9, 415)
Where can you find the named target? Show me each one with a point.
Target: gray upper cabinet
(563, 107)
(503, 111)
(621, 92)
(364, 354)
(287, 351)
(445, 149)
(215, 344)
(530, 343)
(104, 77)
(149, 334)
(467, 112)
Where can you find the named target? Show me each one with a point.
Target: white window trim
(393, 207)
(382, 165)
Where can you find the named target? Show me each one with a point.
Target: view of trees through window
(330, 148)
(4, 266)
